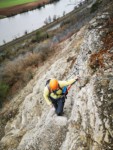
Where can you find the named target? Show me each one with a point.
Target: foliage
(66, 22)
(97, 59)
(2, 16)
(3, 90)
(95, 6)
(17, 73)
(51, 1)
(40, 36)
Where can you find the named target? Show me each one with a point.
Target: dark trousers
(58, 104)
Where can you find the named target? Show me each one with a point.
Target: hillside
(87, 122)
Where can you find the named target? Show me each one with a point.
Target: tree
(54, 17)
(49, 19)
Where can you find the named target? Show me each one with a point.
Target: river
(16, 26)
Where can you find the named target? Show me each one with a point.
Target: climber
(55, 93)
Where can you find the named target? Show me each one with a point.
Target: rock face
(87, 123)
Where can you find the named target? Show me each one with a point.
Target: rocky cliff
(87, 122)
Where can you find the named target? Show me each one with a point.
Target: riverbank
(14, 10)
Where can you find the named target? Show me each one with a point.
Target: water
(16, 26)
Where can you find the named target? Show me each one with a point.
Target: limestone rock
(87, 122)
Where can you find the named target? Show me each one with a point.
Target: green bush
(40, 36)
(3, 90)
(95, 6)
(68, 21)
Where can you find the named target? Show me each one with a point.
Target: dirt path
(22, 8)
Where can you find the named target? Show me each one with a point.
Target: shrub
(40, 36)
(51, 1)
(66, 22)
(30, 59)
(95, 6)
(97, 60)
(11, 72)
(18, 72)
(3, 90)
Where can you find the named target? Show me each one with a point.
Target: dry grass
(14, 70)
(98, 59)
(108, 38)
(17, 73)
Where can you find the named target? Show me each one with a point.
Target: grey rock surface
(87, 123)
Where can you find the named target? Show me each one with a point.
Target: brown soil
(10, 11)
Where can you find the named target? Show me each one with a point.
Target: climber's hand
(77, 78)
